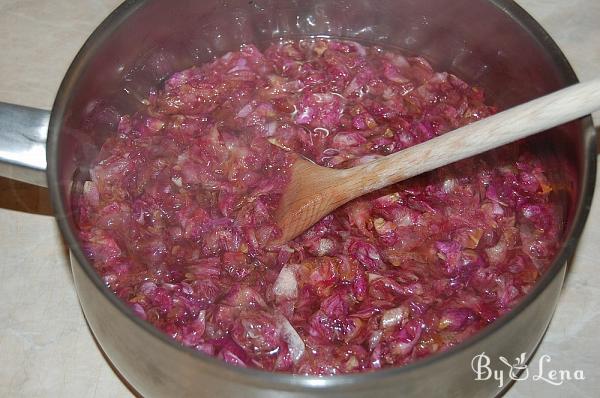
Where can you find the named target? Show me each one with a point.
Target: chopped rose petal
(394, 316)
(286, 285)
(295, 343)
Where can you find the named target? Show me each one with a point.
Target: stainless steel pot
(492, 43)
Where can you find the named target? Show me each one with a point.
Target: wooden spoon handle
(513, 124)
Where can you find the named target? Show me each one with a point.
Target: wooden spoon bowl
(314, 191)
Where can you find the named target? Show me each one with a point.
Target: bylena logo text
(519, 370)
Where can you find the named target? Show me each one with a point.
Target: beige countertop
(46, 348)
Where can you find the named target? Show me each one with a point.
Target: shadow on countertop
(19, 196)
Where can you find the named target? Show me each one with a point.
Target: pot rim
(285, 381)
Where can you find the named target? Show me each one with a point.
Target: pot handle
(23, 133)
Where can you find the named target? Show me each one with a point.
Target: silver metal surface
(23, 133)
(494, 44)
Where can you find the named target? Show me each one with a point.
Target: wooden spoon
(314, 191)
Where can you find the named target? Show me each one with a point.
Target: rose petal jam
(177, 217)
